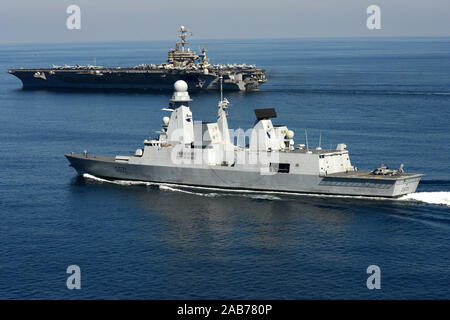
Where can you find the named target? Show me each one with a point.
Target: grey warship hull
(140, 79)
(356, 183)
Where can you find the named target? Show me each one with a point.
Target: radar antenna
(183, 33)
(223, 103)
(306, 137)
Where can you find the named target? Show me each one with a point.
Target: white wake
(176, 188)
(120, 182)
(436, 198)
(440, 197)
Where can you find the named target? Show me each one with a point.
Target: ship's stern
(365, 183)
(405, 186)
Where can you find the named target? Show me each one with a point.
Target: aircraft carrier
(182, 64)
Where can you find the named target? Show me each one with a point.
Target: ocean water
(387, 99)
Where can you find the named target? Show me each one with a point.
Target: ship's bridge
(182, 58)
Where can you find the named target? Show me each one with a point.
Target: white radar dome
(166, 120)
(180, 86)
(290, 134)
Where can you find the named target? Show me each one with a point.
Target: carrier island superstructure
(196, 153)
(182, 63)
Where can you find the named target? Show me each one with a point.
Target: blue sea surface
(388, 99)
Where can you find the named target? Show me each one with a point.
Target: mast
(306, 137)
(183, 33)
(320, 141)
(222, 121)
(221, 89)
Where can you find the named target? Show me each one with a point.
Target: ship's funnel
(180, 93)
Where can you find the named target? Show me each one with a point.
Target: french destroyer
(203, 154)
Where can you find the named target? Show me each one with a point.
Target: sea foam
(436, 198)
